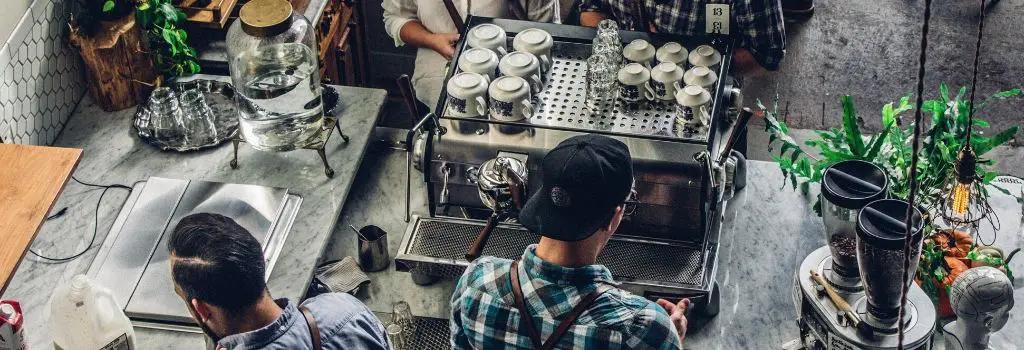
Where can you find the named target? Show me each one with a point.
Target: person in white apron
(428, 25)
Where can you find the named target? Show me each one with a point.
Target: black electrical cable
(974, 78)
(909, 220)
(96, 221)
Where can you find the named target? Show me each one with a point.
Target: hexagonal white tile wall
(42, 80)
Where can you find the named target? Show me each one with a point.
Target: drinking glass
(607, 42)
(399, 337)
(197, 117)
(601, 79)
(166, 120)
(401, 315)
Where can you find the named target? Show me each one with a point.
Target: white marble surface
(114, 155)
(767, 233)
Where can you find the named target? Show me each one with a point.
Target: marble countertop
(113, 154)
(769, 229)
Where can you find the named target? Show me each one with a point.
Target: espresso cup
(706, 56)
(488, 36)
(523, 65)
(467, 95)
(693, 105)
(639, 51)
(480, 61)
(537, 42)
(665, 79)
(701, 76)
(672, 52)
(510, 99)
(633, 83)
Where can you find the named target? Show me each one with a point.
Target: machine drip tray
(435, 246)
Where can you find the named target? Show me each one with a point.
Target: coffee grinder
(847, 293)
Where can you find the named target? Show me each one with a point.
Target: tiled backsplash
(41, 80)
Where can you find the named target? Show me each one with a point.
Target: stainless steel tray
(562, 103)
(219, 96)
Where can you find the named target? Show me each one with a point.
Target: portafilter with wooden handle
(501, 183)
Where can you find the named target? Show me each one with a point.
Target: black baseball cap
(585, 178)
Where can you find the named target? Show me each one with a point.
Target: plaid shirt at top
(484, 315)
(757, 24)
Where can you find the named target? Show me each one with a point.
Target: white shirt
(430, 65)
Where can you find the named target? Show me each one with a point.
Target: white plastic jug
(85, 316)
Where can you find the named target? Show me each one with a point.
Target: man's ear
(203, 310)
(613, 224)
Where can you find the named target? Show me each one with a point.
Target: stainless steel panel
(127, 249)
(254, 207)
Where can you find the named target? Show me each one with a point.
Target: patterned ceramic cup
(488, 36)
(480, 61)
(467, 95)
(665, 79)
(633, 83)
(537, 42)
(510, 99)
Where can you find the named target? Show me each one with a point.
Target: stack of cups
(607, 42)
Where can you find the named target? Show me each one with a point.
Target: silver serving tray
(219, 96)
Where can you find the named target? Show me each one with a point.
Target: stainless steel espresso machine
(847, 293)
(474, 168)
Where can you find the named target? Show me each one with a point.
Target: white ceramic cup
(701, 76)
(639, 51)
(665, 79)
(523, 65)
(537, 42)
(706, 56)
(510, 99)
(693, 105)
(488, 36)
(467, 95)
(634, 83)
(672, 52)
(480, 61)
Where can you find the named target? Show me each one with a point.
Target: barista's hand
(676, 312)
(444, 44)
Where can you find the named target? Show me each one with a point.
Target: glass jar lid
(265, 18)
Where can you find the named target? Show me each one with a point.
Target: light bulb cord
(974, 77)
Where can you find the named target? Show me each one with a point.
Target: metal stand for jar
(318, 144)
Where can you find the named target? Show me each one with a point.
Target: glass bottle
(272, 56)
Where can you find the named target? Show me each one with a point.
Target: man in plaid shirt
(757, 24)
(556, 296)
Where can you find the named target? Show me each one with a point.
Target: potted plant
(946, 252)
(128, 47)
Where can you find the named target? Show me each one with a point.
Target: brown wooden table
(31, 178)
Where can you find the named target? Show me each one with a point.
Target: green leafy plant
(161, 22)
(891, 148)
(168, 42)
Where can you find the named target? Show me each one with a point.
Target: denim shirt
(344, 322)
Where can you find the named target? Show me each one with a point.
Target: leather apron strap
(453, 12)
(314, 331)
(563, 326)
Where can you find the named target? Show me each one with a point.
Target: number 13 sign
(717, 16)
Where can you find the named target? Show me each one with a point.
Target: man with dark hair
(556, 295)
(218, 269)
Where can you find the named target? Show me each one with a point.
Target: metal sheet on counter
(133, 261)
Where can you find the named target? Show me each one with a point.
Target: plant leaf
(876, 146)
(853, 135)
(995, 141)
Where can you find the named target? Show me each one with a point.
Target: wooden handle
(741, 124)
(836, 299)
(481, 238)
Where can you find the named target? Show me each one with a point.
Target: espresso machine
(478, 170)
(847, 294)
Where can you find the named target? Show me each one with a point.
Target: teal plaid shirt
(484, 315)
(757, 24)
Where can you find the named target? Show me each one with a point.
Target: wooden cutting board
(31, 178)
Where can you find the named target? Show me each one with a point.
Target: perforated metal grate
(431, 333)
(627, 259)
(564, 103)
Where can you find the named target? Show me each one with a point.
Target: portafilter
(501, 182)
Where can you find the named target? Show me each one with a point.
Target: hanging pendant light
(963, 202)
